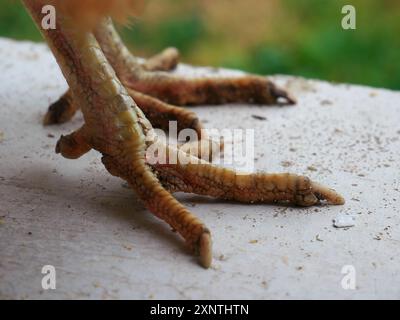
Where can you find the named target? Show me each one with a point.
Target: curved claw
(278, 93)
(60, 111)
(204, 249)
(311, 193)
(327, 194)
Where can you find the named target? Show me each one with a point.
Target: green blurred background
(301, 37)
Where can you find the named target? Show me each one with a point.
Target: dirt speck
(326, 103)
(337, 130)
(127, 247)
(221, 257)
(125, 185)
(261, 118)
(286, 164)
(373, 94)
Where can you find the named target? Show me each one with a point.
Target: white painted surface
(103, 244)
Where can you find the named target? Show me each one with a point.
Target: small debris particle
(312, 168)
(286, 164)
(50, 135)
(125, 185)
(127, 247)
(300, 268)
(373, 94)
(216, 267)
(253, 241)
(378, 237)
(1, 222)
(292, 149)
(29, 233)
(261, 118)
(337, 130)
(344, 221)
(318, 238)
(326, 103)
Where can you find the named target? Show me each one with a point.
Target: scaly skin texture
(117, 128)
(180, 90)
(64, 108)
(151, 78)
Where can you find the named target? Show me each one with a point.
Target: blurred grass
(301, 37)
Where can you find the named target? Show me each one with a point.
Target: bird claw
(318, 193)
(278, 93)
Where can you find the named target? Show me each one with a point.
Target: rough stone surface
(104, 244)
